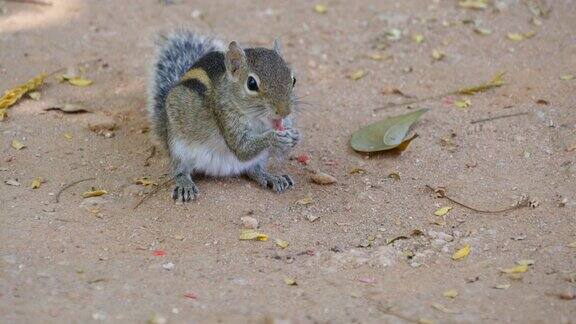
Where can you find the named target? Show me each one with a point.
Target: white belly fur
(212, 158)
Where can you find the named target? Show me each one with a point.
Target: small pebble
(249, 222)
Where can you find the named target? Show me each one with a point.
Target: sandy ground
(89, 260)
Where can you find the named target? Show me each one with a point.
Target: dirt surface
(88, 260)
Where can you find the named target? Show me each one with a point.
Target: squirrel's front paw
(287, 138)
(185, 189)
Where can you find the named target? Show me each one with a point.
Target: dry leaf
(517, 37)
(444, 309)
(79, 82)
(320, 8)
(357, 75)
(281, 243)
(567, 77)
(17, 145)
(437, 55)
(34, 95)
(357, 170)
(323, 178)
(69, 108)
(386, 134)
(394, 176)
(461, 253)
(252, 234)
(36, 183)
(517, 269)
(572, 245)
(12, 182)
(482, 31)
(290, 281)
(304, 201)
(502, 286)
(450, 293)
(12, 96)
(473, 4)
(418, 38)
(68, 136)
(464, 103)
(496, 81)
(145, 182)
(94, 193)
(442, 211)
(393, 34)
(526, 262)
(376, 57)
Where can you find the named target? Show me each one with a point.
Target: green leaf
(385, 134)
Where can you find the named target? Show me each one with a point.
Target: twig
(498, 117)
(152, 154)
(151, 193)
(36, 2)
(70, 185)
(442, 194)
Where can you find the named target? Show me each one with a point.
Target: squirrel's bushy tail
(177, 53)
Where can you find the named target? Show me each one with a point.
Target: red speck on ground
(303, 159)
(158, 253)
(191, 295)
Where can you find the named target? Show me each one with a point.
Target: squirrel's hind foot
(185, 189)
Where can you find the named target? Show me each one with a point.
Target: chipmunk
(221, 111)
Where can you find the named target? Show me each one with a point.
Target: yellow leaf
(572, 245)
(36, 183)
(442, 211)
(357, 75)
(437, 55)
(79, 82)
(17, 145)
(290, 281)
(567, 77)
(473, 4)
(461, 253)
(464, 103)
(418, 38)
(517, 37)
(11, 96)
(516, 269)
(252, 234)
(451, 293)
(68, 136)
(496, 81)
(145, 182)
(320, 8)
(376, 57)
(281, 243)
(94, 193)
(304, 201)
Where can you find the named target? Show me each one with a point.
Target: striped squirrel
(221, 111)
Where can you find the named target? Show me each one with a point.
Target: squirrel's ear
(276, 46)
(235, 59)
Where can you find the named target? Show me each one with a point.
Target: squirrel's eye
(252, 84)
(293, 81)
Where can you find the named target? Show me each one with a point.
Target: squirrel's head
(263, 81)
